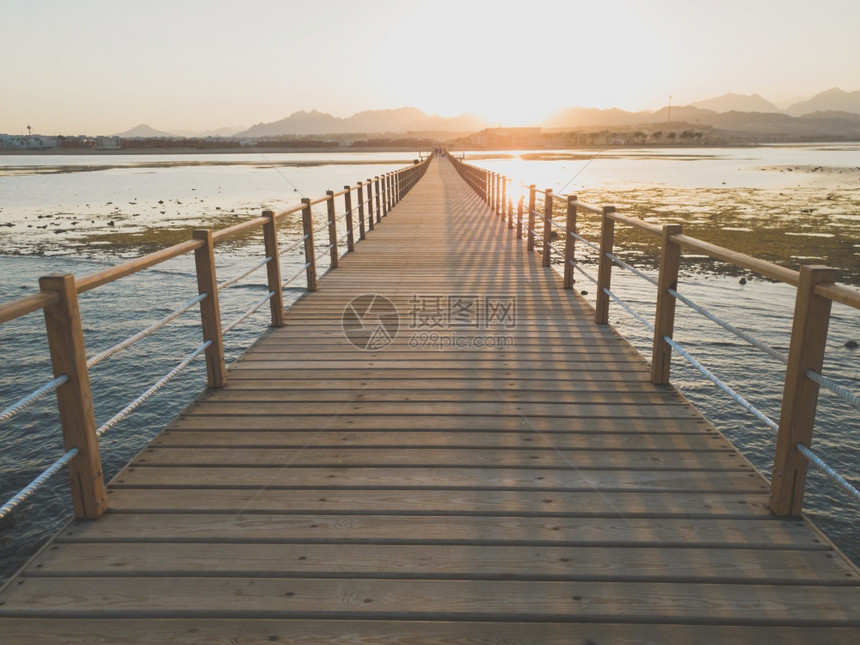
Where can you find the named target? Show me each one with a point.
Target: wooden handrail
(839, 293)
(654, 229)
(237, 229)
(765, 268)
(28, 305)
(112, 274)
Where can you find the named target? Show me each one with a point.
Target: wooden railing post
(493, 191)
(273, 268)
(604, 270)
(210, 310)
(547, 228)
(388, 193)
(310, 252)
(504, 203)
(384, 190)
(520, 218)
(510, 212)
(664, 317)
(369, 204)
(74, 397)
(530, 236)
(378, 199)
(350, 230)
(569, 242)
(334, 252)
(360, 198)
(800, 394)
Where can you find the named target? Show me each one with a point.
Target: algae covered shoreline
(787, 213)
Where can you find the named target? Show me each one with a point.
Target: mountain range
(735, 112)
(406, 119)
(727, 111)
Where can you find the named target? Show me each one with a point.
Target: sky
(104, 66)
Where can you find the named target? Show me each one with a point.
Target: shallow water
(155, 200)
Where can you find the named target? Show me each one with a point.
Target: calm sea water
(79, 214)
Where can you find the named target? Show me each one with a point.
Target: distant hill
(143, 131)
(371, 121)
(732, 102)
(833, 100)
(578, 117)
(733, 125)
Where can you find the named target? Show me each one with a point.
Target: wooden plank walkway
(537, 492)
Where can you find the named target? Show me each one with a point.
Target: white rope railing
(128, 342)
(325, 226)
(770, 351)
(631, 268)
(131, 407)
(629, 309)
(248, 313)
(25, 402)
(761, 416)
(839, 390)
(296, 275)
(825, 468)
(294, 244)
(590, 245)
(229, 283)
(36, 484)
(576, 266)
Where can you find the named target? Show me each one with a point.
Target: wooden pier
(500, 470)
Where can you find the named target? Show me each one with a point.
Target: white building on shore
(27, 142)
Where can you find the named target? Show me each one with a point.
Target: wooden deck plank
(438, 502)
(712, 460)
(443, 409)
(369, 632)
(540, 492)
(447, 562)
(370, 440)
(574, 387)
(281, 476)
(443, 529)
(443, 396)
(433, 600)
(260, 420)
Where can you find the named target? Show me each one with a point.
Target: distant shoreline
(191, 151)
(84, 152)
(7, 152)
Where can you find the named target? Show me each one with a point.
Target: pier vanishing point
(459, 456)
